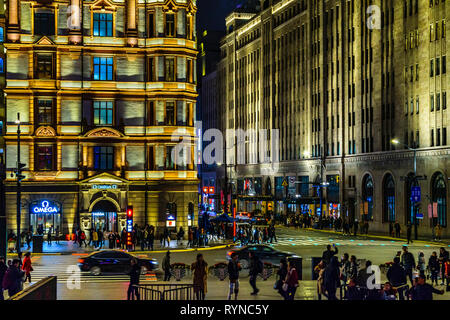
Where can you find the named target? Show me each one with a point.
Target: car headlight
(154, 262)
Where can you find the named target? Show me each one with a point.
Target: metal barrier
(42, 290)
(160, 292)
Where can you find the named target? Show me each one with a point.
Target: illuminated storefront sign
(104, 186)
(170, 221)
(45, 207)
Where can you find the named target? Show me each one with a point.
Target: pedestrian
(433, 267)
(353, 272)
(331, 278)
(27, 268)
(180, 236)
(326, 256)
(397, 229)
(233, 275)
(355, 227)
(391, 229)
(408, 262)
(166, 266)
(49, 237)
(100, 238)
(190, 237)
(135, 273)
(256, 267)
(291, 283)
(388, 293)
(396, 275)
(319, 271)
(408, 232)
(353, 293)
(423, 290)
(165, 237)
(421, 264)
(443, 256)
(57, 235)
(345, 268)
(111, 240)
(12, 280)
(438, 232)
(3, 269)
(28, 239)
(83, 239)
(95, 238)
(447, 274)
(281, 274)
(200, 268)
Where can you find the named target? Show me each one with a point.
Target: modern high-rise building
(106, 92)
(354, 87)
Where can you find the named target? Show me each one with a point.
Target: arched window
(388, 199)
(367, 196)
(439, 196)
(409, 204)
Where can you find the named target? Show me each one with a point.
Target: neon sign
(104, 186)
(45, 207)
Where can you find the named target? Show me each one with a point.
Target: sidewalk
(422, 240)
(69, 247)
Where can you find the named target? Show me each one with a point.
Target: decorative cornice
(103, 133)
(45, 131)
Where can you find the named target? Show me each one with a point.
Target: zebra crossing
(302, 240)
(71, 273)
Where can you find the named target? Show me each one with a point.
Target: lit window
(44, 112)
(44, 66)
(103, 25)
(170, 25)
(103, 158)
(103, 68)
(103, 112)
(44, 159)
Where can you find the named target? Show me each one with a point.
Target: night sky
(211, 13)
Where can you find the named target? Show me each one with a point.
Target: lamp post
(3, 231)
(414, 181)
(19, 176)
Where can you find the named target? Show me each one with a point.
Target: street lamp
(20, 177)
(415, 180)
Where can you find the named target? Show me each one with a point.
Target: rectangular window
(44, 112)
(432, 103)
(103, 113)
(444, 64)
(103, 68)
(103, 24)
(44, 158)
(169, 69)
(444, 136)
(444, 100)
(104, 158)
(438, 102)
(44, 66)
(169, 161)
(189, 27)
(432, 137)
(170, 25)
(151, 69)
(151, 25)
(438, 137)
(438, 66)
(431, 68)
(44, 23)
(170, 114)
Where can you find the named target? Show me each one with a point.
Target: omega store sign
(45, 213)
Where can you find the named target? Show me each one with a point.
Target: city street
(305, 243)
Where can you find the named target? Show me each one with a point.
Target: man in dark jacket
(408, 262)
(233, 274)
(12, 278)
(135, 273)
(397, 277)
(423, 290)
(255, 268)
(331, 278)
(3, 269)
(326, 256)
(408, 232)
(166, 266)
(397, 229)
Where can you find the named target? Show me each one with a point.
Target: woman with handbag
(291, 283)
(26, 267)
(281, 273)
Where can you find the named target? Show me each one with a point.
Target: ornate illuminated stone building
(340, 89)
(101, 87)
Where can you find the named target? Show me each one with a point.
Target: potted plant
(219, 270)
(179, 270)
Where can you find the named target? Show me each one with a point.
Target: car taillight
(81, 260)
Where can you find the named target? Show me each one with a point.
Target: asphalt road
(307, 244)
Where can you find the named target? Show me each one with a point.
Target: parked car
(114, 261)
(263, 252)
(260, 220)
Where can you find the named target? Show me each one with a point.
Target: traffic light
(129, 225)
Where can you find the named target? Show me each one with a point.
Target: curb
(73, 253)
(378, 237)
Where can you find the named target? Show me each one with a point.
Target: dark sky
(211, 13)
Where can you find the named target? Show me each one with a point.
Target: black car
(263, 252)
(114, 261)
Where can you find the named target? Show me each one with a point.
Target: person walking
(26, 267)
(166, 266)
(397, 229)
(433, 267)
(408, 232)
(256, 267)
(331, 278)
(151, 238)
(135, 273)
(111, 240)
(190, 237)
(355, 227)
(100, 238)
(443, 256)
(165, 237)
(281, 274)
(3, 269)
(28, 239)
(408, 262)
(200, 268)
(391, 229)
(12, 280)
(180, 236)
(94, 238)
(49, 237)
(423, 290)
(421, 264)
(291, 282)
(57, 234)
(396, 275)
(233, 275)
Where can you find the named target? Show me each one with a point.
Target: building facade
(106, 92)
(341, 80)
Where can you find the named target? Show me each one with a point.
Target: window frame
(113, 71)
(94, 22)
(51, 157)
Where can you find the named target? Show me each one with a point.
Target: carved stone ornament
(103, 132)
(45, 132)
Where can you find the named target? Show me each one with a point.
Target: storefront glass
(45, 215)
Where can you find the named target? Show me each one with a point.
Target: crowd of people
(248, 234)
(406, 277)
(14, 274)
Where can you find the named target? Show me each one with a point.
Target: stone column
(13, 21)
(74, 22)
(131, 23)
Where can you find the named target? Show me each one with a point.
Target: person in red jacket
(291, 283)
(26, 267)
